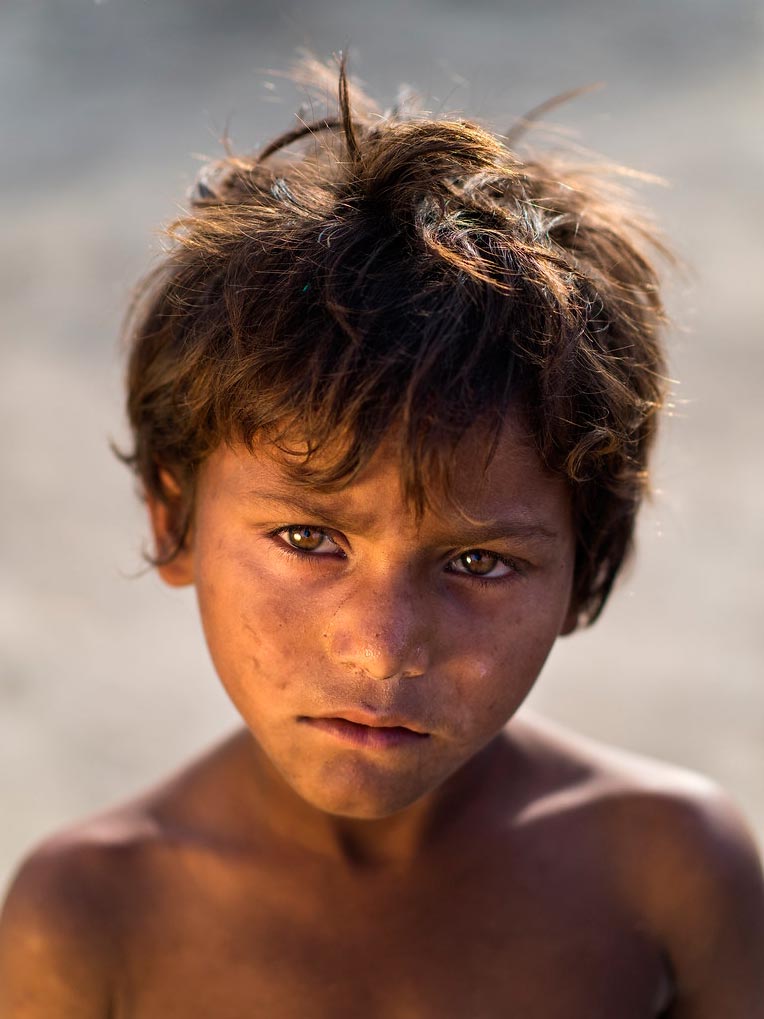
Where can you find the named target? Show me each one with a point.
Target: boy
(392, 401)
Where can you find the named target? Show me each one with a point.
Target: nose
(381, 630)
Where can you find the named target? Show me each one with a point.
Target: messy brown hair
(400, 270)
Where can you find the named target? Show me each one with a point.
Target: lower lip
(370, 736)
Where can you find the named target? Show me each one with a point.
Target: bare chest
(484, 944)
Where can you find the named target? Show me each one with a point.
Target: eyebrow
(494, 529)
(464, 534)
(337, 516)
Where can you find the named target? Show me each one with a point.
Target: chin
(365, 801)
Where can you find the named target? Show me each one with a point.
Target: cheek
(258, 632)
(486, 688)
(492, 674)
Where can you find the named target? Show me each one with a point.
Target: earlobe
(163, 514)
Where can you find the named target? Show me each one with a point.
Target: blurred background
(105, 106)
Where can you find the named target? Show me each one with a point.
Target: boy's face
(370, 655)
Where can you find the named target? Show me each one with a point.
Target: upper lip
(375, 721)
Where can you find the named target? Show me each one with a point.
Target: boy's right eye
(304, 538)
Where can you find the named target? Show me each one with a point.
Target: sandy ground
(104, 680)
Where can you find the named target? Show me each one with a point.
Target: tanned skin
(437, 854)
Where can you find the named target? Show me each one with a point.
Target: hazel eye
(479, 563)
(308, 539)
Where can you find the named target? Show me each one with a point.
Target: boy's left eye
(479, 563)
(304, 538)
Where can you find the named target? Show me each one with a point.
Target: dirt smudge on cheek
(274, 650)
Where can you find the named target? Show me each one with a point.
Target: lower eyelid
(310, 558)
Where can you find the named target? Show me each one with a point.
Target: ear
(163, 514)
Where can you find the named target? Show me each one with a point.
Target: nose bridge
(380, 627)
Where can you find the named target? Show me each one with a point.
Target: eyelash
(309, 556)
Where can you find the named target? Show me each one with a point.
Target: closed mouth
(377, 735)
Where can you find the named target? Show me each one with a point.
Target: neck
(397, 840)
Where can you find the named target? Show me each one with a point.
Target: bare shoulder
(60, 924)
(669, 823)
(680, 850)
(77, 897)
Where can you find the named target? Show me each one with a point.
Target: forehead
(478, 492)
